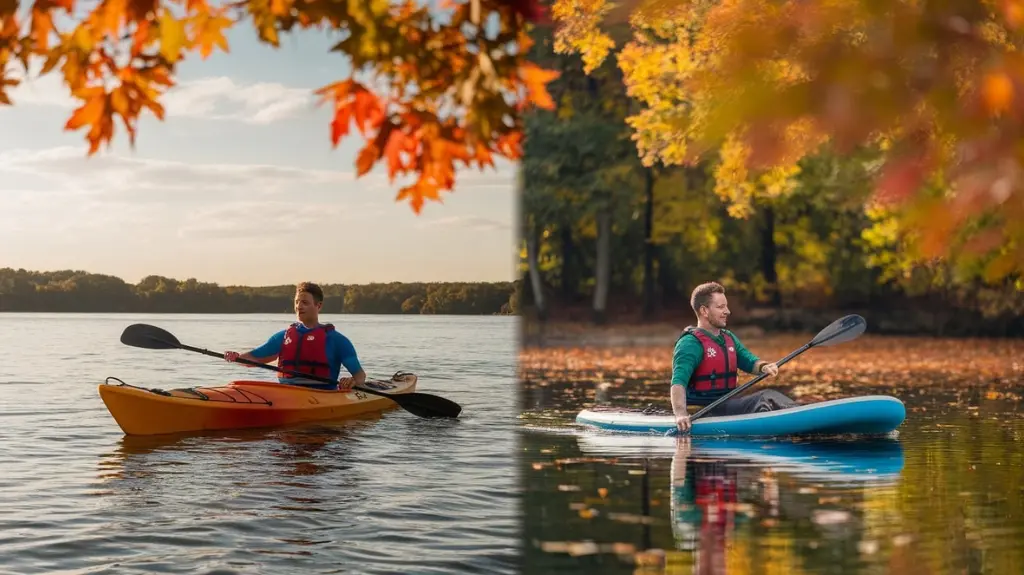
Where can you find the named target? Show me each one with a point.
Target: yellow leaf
(82, 40)
(172, 36)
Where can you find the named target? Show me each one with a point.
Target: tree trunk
(536, 284)
(769, 256)
(604, 265)
(648, 309)
(667, 280)
(569, 276)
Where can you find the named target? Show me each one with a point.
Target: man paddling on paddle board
(308, 346)
(707, 359)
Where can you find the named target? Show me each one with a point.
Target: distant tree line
(80, 291)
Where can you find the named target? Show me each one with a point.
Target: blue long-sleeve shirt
(340, 351)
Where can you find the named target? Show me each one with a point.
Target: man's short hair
(702, 295)
(312, 289)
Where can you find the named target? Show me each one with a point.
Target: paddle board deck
(868, 415)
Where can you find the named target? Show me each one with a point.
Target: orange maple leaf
(42, 25)
(535, 79)
(984, 242)
(511, 145)
(900, 179)
(998, 91)
(483, 156)
(398, 142)
(416, 193)
(209, 29)
(1013, 11)
(90, 112)
(367, 109)
(366, 158)
(339, 125)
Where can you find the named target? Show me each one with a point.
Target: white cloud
(168, 199)
(221, 98)
(213, 98)
(115, 176)
(268, 220)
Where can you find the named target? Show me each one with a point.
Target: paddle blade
(149, 337)
(840, 331)
(427, 405)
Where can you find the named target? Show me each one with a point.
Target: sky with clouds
(238, 185)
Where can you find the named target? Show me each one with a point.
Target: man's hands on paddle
(770, 368)
(683, 423)
(231, 355)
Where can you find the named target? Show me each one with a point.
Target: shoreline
(575, 330)
(869, 361)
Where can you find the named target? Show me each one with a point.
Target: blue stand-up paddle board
(868, 415)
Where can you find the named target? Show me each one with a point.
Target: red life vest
(305, 352)
(716, 373)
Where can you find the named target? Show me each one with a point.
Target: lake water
(392, 494)
(944, 495)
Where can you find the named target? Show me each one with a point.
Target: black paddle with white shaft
(421, 404)
(840, 331)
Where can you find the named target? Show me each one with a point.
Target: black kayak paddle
(422, 404)
(842, 330)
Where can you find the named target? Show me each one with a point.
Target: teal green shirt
(689, 352)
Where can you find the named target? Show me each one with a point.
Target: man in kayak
(706, 361)
(309, 347)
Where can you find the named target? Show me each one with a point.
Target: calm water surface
(945, 495)
(388, 494)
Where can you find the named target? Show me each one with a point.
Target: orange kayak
(240, 404)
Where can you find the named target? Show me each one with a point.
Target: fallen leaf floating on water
(870, 361)
(583, 548)
(830, 516)
(868, 547)
(578, 548)
(568, 487)
(602, 491)
(631, 518)
(650, 558)
(902, 540)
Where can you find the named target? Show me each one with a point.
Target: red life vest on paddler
(305, 352)
(716, 373)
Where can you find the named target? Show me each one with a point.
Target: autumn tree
(937, 86)
(444, 85)
(577, 172)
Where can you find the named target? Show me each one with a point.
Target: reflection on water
(943, 496)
